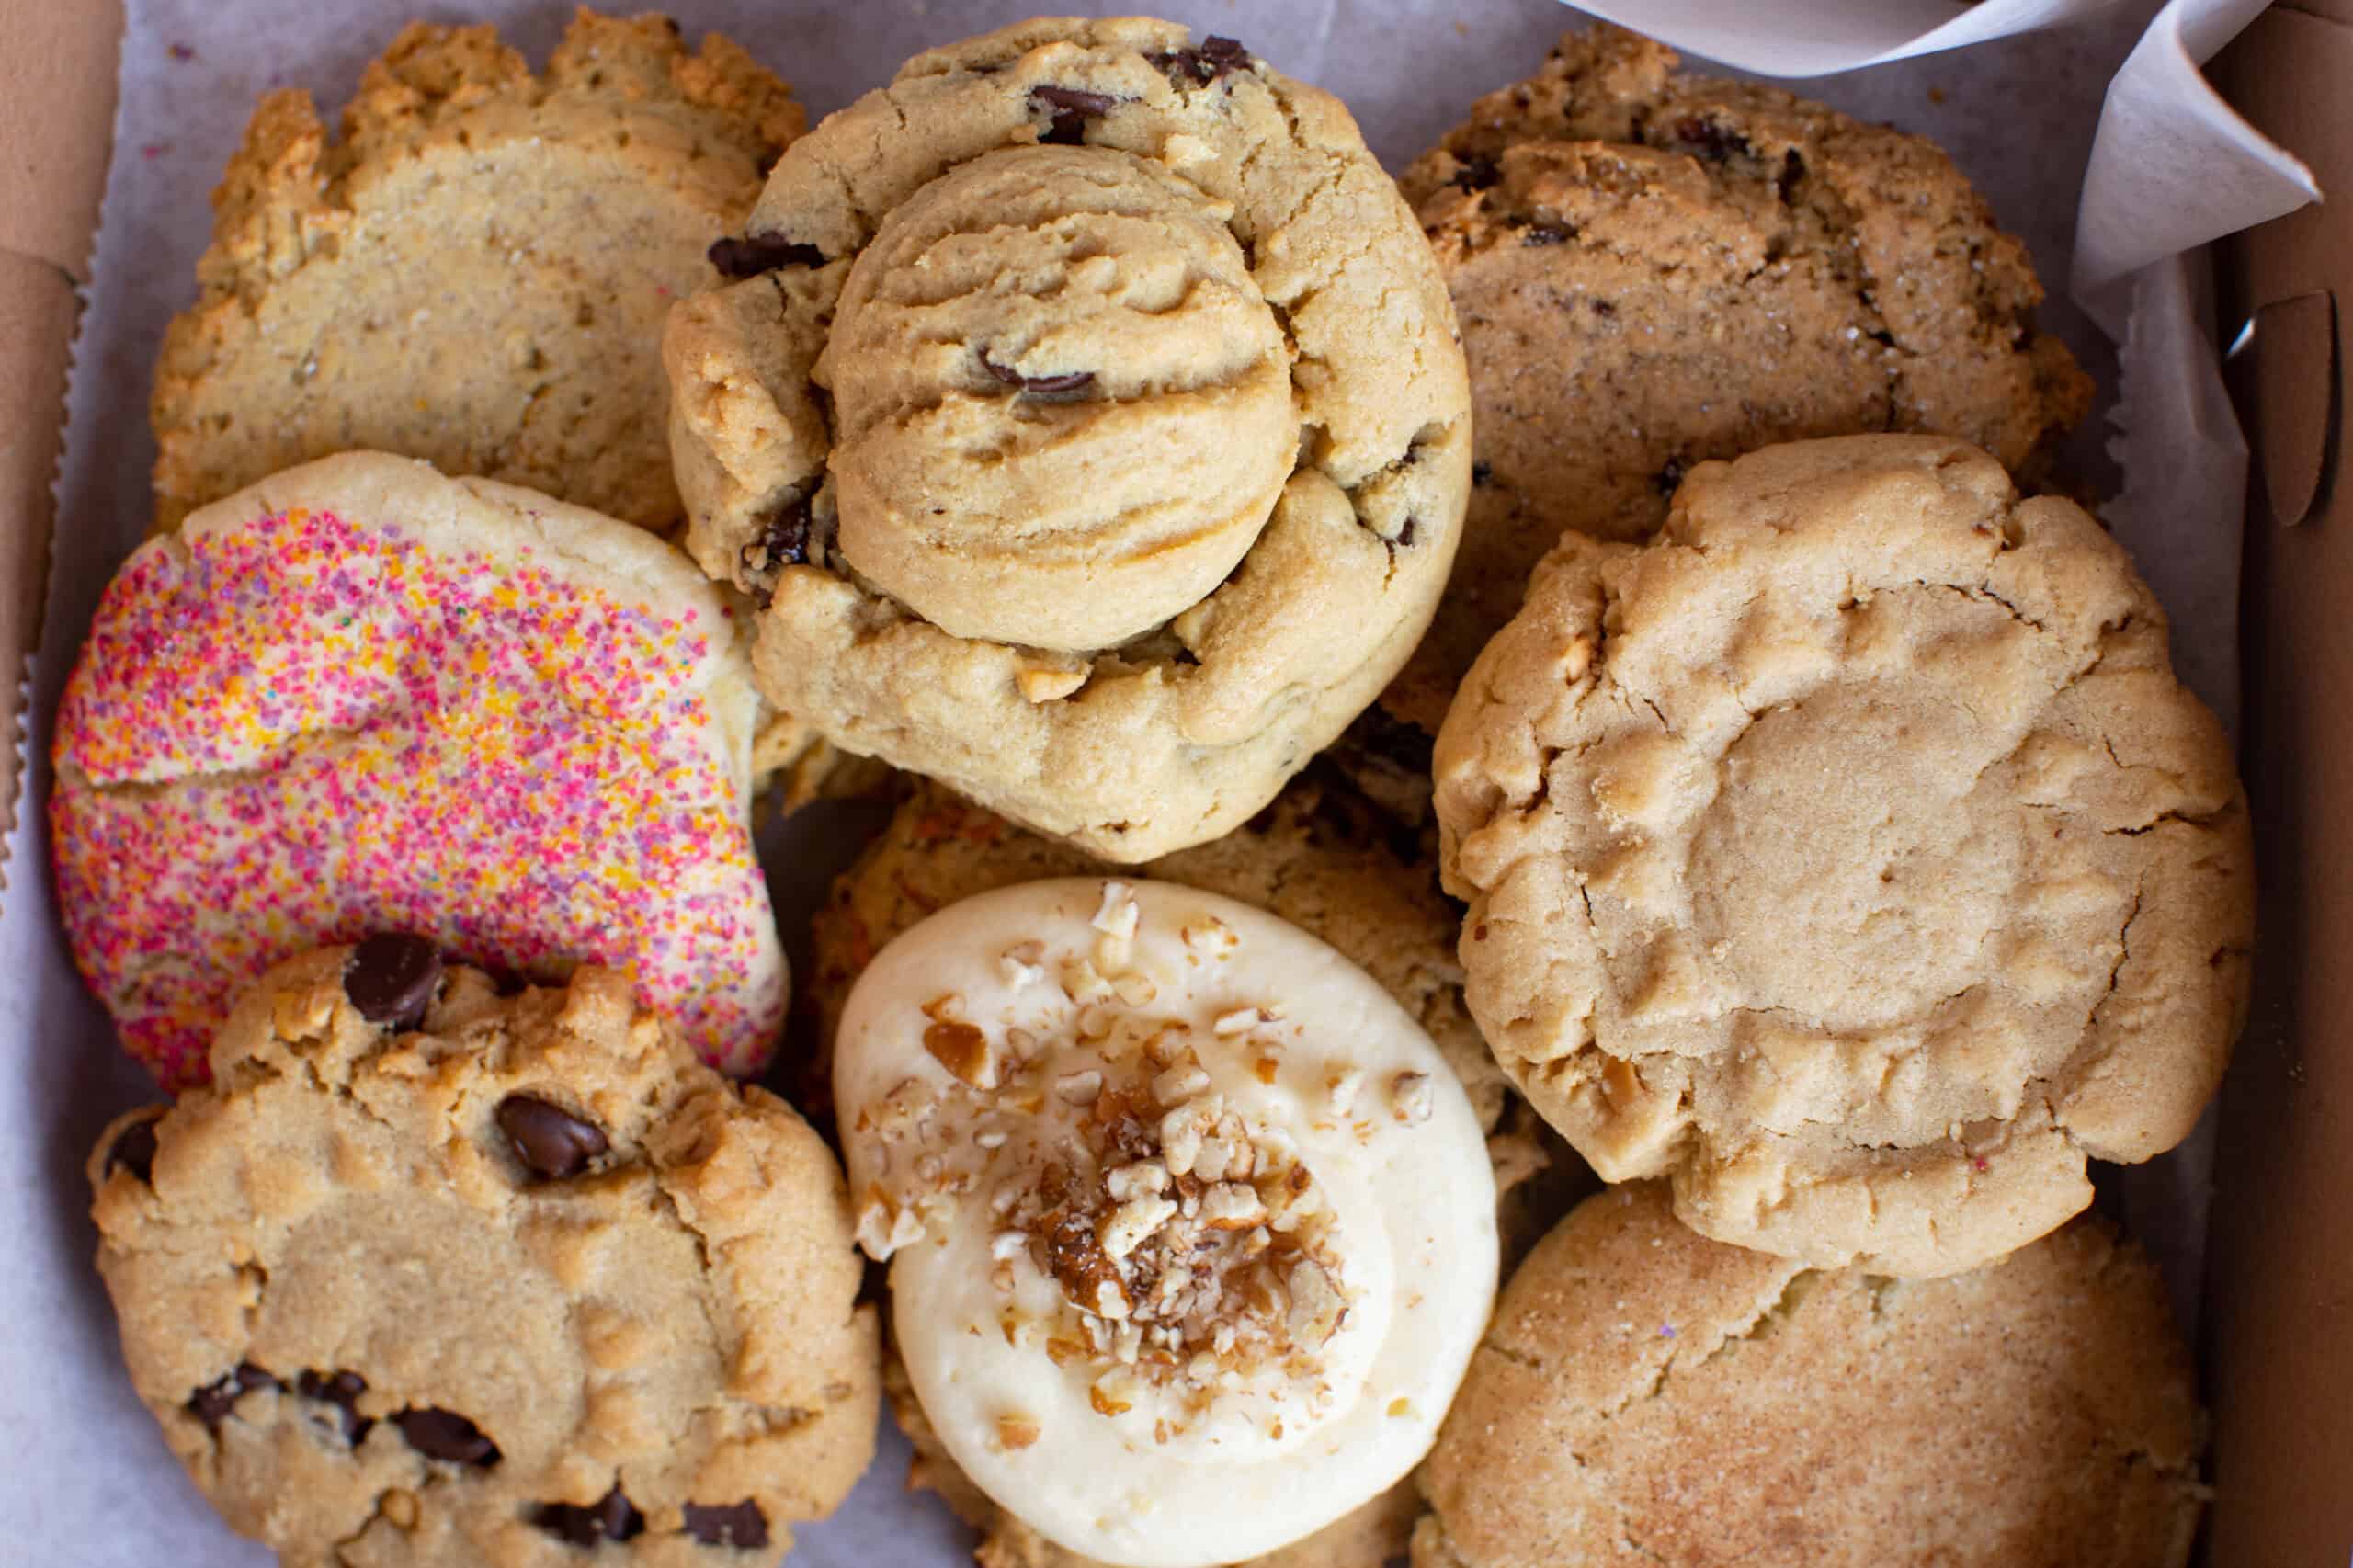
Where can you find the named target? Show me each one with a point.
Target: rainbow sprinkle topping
(301, 730)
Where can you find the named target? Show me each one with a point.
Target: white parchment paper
(88, 1482)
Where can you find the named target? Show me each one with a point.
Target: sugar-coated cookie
(1652, 270)
(1089, 420)
(1851, 855)
(1191, 1229)
(475, 272)
(1647, 1396)
(434, 1275)
(358, 695)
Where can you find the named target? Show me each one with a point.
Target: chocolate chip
(1072, 107)
(742, 1524)
(1068, 387)
(751, 254)
(134, 1151)
(1405, 533)
(1212, 58)
(1792, 171)
(446, 1435)
(1391, 739)
(1709, 141)
(1476, 173)
(1669, 479)
(341, 1390)
(1482, 474)
(1604, 309)
(552, 1140)
(783, 540)
(392, 979)
(1547, 232)
(212, 1403)
(611, 1517)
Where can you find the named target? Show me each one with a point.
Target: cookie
(1652, 270)
(1003, 421)
(1191, 1229)
(1646, 1395)
(360, 694)
(1324, 859)
(475, 273)
(431, 1274)
(1851, 855)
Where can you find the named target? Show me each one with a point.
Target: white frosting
(1223, 1139)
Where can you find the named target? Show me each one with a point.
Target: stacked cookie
(1772, 812)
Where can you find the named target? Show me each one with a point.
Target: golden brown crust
(1648, 1396)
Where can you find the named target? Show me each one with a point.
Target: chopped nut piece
(1409, 1097)
(1135, 1180)
(1095, 1022)
(964, 1051)
(1316, 1307)
(1232, 1206)
(1007, 1244)
(1265, 1067)
(1049, 683)
(1180, 1141)
(1016, 1431)
(883, 1227)
(1211, 936)
(1136, 990)
(1082, 981)
(1239, 1021)
(990, 1138)
(1178, 1085)
(1020, 967)
(1104, 1394)
(1116, 914)
(1132, 1222)
(1340, 1090)
(1079, 1088)
(1110, 1300)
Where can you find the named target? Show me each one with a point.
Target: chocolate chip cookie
(1851, 855)
(1089, 416)
(1652, 270)
(1648, 1396)
(435, 1274)
(475, 272)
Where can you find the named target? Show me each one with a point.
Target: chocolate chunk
(1669, 479)
(1546, 232)
(1072, 107)
(752, 254)
(552, 1140)
(1476, 173)
(134, 1151)
(1481, 474)
(446, 1435)
(1069, 387)
(1604, 309)
(1711, 141)
(740, 1524)
(611, 1517)
(783, 540)
(212, 1403)
(1792, 171)
(341, 1390)
(1213, 57)
(392, 979)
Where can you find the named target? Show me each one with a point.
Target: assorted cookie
(1652, 270)
(434, 1274)
(1089, 420)
(360, 695)
(1082, 422)
(475, 273)
(1849, 855)
(1191, 1228)
(1647, 1396)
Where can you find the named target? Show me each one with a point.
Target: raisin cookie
(1320, 857)
(1191, 1229)
(432, 1274)
(1098, 445)
(1652, 270)
(1851, 855)
(360, 694)
(476, 273)
(1649, 1396)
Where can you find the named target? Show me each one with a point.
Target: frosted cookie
(1850, 855)
(359, 694)
(475, 273)
(1190, 1230)
(432, 1274)
(1088, 419)
(1652, 270)
(1646, 1395)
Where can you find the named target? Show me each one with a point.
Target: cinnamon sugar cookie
(1850, 855)
(475, 272)
(1652, 270)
